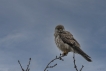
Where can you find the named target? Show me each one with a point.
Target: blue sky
(27, 30)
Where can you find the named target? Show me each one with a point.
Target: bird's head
(59, 28)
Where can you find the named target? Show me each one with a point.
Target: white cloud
(11, 39)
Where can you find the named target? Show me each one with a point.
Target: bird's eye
(58, 28)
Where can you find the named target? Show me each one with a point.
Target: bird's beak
(60, 31)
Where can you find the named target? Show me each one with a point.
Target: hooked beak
(60, 31)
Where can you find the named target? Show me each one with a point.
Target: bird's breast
(61, 45)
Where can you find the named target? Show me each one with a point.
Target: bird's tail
(86, 57)
(83, 54)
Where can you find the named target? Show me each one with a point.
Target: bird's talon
(64, 54)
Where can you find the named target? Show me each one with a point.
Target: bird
(67, 43)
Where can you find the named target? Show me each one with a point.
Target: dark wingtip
(89, 60)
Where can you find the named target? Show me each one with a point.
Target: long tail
(83, 54)
(79, 51)
(86, 57)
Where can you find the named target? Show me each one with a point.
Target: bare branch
(75, 66)
(81, 68)
(20, 65)
(60, 58)
(27, 65)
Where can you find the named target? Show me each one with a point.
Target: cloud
(11, 39)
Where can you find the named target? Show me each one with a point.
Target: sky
(27, 31)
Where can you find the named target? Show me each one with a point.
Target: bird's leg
(65, 53)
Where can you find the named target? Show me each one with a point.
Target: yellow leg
(65, 53)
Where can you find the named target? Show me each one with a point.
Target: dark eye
(58, 28)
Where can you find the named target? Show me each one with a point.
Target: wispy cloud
(11, 39)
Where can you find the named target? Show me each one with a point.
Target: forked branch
(48, 65)
(27, 69)
(75, 66)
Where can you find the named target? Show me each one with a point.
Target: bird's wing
(68, 38)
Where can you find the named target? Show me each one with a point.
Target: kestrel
(67, 43)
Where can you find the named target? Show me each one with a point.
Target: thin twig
(75, 66)
(60, 58)
(20, 65)
(27, 65)
(81, 68)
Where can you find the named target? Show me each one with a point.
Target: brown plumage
(66, 42)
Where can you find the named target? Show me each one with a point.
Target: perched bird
(67, 43)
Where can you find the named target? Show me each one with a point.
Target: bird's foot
(64, 54)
